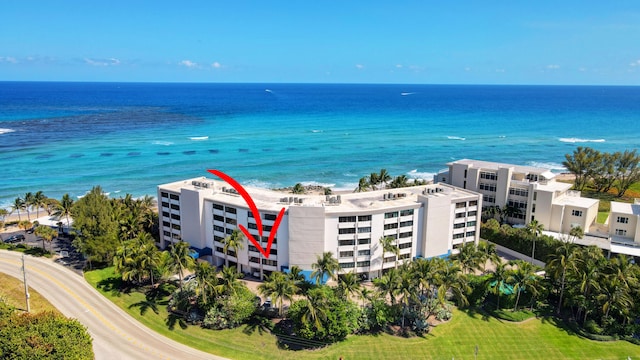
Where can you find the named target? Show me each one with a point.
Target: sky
(409, 42)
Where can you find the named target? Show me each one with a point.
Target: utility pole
(26, 287)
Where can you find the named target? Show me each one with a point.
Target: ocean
(129, 137)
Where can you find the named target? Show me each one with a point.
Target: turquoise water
(130, 137)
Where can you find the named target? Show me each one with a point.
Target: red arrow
(254, 210)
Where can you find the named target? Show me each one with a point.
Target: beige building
(532, 190)
(425, 221)
(624, 223)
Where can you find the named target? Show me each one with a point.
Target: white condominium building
(624, 225)
(424, 221)
(533, 190)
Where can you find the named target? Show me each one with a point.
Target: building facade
(424, 221)
(532, 190)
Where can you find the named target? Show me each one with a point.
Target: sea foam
(6, 131)
(456, 138)
(414, 174)
(579, 140)
(160, 142)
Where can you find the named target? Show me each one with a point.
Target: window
(176, 236)
(364, 252)
(405, 235)
(389, 259)
(175, 207)
(471, 223)
(254, 259)
(230, 210)
(472, 213)
(231, 221)
(458, 236)
(228, 231)
(344, 254)
(364, 241)
(249, 214)
(165, 204)
(535, 195)
(406, 212)
(404, 256)
(391, 226)
(270, 216)
(164, 194)
(218, 238)
(218, 206)
(623, 220)
(517, 204)
(366, 229)
(390, 215)
(174, 197)
(347, 231)
(487, 187)
(460, 215)
(461, 205)
(364, 218)
(519, 192)
(404, 245)
(532, 177)
(166, 223)
(346, 242)
(269, 262)
(218, 218)
(219, 249)
(363, 263)
(252, 248)
(465, 172)
(165, 214)
(345, 219)
(533, 208)
(166, 233)
(488, 175)
(406, 223)
(175, 226)
(348, 265)
(473, 203)
(252, 226)
(273, 251)
(621, 232)
(576, 213)
(267, 227)
(471, 233)
(458, 226)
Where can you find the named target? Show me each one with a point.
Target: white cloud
(102, 62)
(635, 63)
(553, 67)
(188, 63)
(359, 66)
(399, 66)
(500, 70)
(467, 69)
(8, 59)
(216, 65)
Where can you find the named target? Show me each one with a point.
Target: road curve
(116, 335)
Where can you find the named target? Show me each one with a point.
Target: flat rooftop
(625, 208)
(489, 165)
(267, 199)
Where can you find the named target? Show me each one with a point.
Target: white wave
(199, 138)
(502, 136)
(407, 93)
(579, 140)
(260, 184)
(316, 131)
(160, 142)
(456, 138)
(547, 165)
(349, 174)
(414, 174)
(315, 183)
(344, 187)
(269, 91)
(5, 131)
(117, 191)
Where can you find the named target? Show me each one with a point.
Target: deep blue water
(130, 137)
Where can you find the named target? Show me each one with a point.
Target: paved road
(116, 335)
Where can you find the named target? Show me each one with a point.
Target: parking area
(65, 253)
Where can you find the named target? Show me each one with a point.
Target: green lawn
(496, 339)
(12, 291)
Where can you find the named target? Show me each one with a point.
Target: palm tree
(560, 262)
(46, 233)
(182, 259)
(487, 252)
(468, 257)
(589, 265)
(384, 177)
(315, 308)
(207, 281)
(389, 246)
(233, 242)
(64, 208)
(374, 179)
(39, 201)
(230, 278)
(365, 294)
(17, 205)
(405, 288)
(148, 253)
(615, 296)
(363, 185)
(524, 279)
(325, 266)
(497, 280)
(451, 279)
(534, 228)
(576, 232)
(349, 284)
(298, 189)
(280, 287)
(29, 201)
(387, 284)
